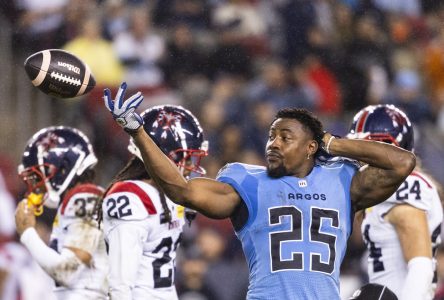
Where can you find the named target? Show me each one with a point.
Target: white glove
(124, 111)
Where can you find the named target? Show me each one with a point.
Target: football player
(293, 226)
(142, 226)
(403, 232)
(57, 166)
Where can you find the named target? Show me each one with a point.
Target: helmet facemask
(54, 157)
(189, 164)
(188, 161)
(36, 177)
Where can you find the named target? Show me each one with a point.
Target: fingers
(133, 101)
(24, 216)
(107, 100)
(120, 94)
(27, 207)
(22, 209)
(120, 105)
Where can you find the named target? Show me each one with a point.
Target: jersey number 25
(296, 234)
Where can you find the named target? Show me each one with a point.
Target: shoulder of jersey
(130, 200)
(422, 178)
(337, 161)
(81, 200)
(240, 167)
(417, 190)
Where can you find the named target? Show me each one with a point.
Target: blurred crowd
(234, 63)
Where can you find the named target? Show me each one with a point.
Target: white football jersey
(386, 263)
(25, 279)
(141, 243)
(79, 206)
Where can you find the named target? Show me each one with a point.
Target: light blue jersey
(297, 229)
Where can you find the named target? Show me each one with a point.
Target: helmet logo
(397, 118)
(171, 123)
(384, 123)
(50, 141)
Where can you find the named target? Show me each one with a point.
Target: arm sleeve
(125, 242)
(63, 267)
(418, 283)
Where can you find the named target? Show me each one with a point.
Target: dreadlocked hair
(133, 170)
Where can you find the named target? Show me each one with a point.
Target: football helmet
(178, 134)
(53, 157)
(385, 123)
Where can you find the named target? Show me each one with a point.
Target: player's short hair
(306, 118)
(372, 291)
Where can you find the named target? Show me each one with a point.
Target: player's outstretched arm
(387, 166)
(210, 197)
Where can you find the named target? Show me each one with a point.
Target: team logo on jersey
(300, 196)
(302, 183)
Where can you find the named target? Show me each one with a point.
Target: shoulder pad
(128, 200)
(81, 201)
(416, 190)
(239, 168)
(337, 160)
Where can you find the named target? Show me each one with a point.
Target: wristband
(327, 146)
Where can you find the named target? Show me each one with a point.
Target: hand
(124, 111)
(24, 216)
(326, 142)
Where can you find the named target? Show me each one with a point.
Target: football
(59, 73)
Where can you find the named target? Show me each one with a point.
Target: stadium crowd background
(233, 64)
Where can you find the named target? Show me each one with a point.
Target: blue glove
(124, 111)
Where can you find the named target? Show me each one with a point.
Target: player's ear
(312, 147)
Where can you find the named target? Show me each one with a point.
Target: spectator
(273, 85)
(38, 23)
(367, 49)
(140, 49)
(183, 58)
(96, 52)
(229, 57)
(407, 95)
